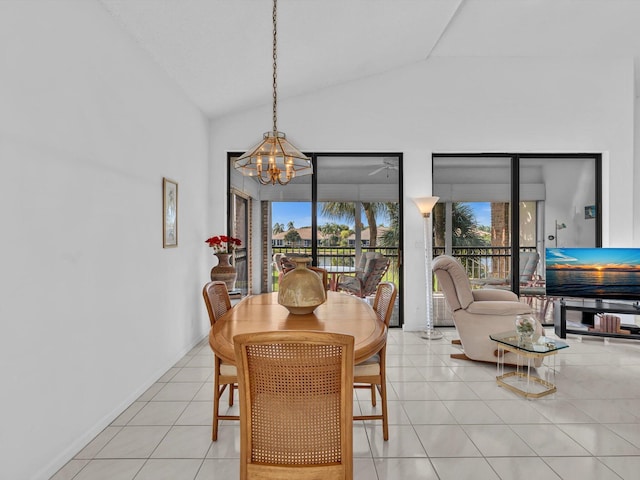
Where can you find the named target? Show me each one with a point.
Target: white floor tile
(581, 468)
(169, 469)
(471, 412)
(180, 391)
(448, 420)
(159, 413)
(364, 469)
(70, 470)
(184, 442)
(133, 442)
(627, 468)
(228, 443)
(446, 441)
(549, 440)
(361, 447)
(120, 469)
(517, 411)
(497, 441)
(463, 469)
(628, 431)
(599, 440)
(193, 374)
(431, 412)
(453, 391)
(403, 442)
(561, 411)
(98, 443)
(519, 468)
(128, 414)
(196, 413)
(405, 469)
(414, 391)
(219, 468)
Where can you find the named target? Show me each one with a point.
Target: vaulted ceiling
(219, 51)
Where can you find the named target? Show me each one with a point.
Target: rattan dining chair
(372, 372)
(296, 405)
(218, 303)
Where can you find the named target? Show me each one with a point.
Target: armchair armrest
(486, 294)
(493, 307)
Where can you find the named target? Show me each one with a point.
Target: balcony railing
(483, 262)
(337, 257)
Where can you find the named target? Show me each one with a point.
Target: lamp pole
(425, 205)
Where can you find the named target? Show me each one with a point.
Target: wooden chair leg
(216, 407)
(385, 413)
(373, 395)
(456, 341)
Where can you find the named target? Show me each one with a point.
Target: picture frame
(169, 213)
(589, 212)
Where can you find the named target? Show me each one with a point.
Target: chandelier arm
(284, 158)
(275, 66)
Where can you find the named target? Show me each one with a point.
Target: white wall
(93, 309)
(465, 105)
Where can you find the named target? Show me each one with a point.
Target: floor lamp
(425, 205)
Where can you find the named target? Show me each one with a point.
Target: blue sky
(593, 256)
(300, 214)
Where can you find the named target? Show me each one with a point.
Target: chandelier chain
(275, 66)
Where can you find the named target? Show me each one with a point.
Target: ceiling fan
(386, 165)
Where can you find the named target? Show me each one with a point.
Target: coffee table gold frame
(508, 341)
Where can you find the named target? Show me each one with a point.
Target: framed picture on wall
(169, 213)
(589, 212)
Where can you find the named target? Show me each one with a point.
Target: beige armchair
(478, 313)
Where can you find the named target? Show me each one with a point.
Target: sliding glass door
(558, 204)
(349, 206)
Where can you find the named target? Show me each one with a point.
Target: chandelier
(274, 159)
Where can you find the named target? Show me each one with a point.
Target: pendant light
(274, 159)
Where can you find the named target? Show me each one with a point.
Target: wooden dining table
(341, 313)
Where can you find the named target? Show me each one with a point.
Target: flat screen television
(604, 273)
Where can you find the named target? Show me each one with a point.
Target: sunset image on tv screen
(608, 273)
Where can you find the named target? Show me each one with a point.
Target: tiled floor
(449, 421)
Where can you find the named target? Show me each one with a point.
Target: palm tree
(331, 232)
(277, 228)
(391, 237)
(290, 226)
(465, 226)
(347, 211)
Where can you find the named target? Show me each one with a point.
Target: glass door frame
(266, 262)
(515, 163)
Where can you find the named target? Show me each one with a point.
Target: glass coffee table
(521, 381)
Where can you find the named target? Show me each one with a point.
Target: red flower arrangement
(223, 243)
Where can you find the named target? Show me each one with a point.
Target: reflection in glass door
(558, 198)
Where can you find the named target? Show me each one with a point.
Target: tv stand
(589, 308)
